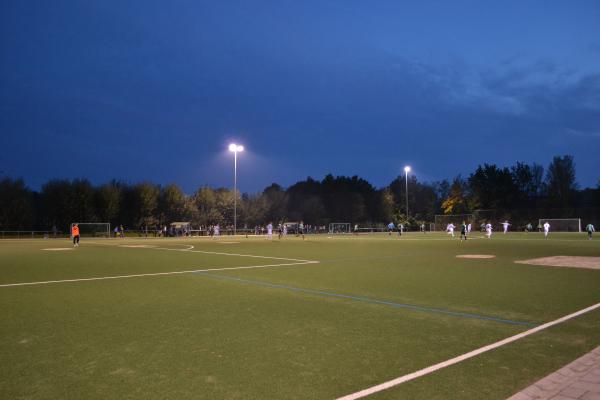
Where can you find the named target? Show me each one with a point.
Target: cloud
(540, 89)
(582, 133)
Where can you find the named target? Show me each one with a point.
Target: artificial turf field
(364, 310)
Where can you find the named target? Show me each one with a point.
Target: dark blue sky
(156, 90)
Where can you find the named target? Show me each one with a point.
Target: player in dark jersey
(463, 231)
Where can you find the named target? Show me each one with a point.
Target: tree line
(522, 188)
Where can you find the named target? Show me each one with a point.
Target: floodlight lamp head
(407, 169)
(235, 148)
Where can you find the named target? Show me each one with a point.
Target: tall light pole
(235, 149)
(406, 171)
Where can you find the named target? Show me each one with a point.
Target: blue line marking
(369, 300)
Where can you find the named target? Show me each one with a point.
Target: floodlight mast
(234, 148)
(406, 171)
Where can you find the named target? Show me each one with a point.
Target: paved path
(579, 380)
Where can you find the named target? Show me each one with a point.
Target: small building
(180, 228)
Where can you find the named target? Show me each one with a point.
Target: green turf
(304, 331)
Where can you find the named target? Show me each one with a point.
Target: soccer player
(423, 227)
(400, 229)
(469, 228)
(216, 231)
(270, 231)
(528, 227)
(463, 231)
(450, 229)
(505, 226)
(390, 228)
(590, 229)
(356, 229)
(546, 229)
(488, 230)
(301, 229)
(75, 235)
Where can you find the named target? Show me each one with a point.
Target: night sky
(155, 91)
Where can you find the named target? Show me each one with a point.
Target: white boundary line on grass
(228, 254)
(100, 278)
(150, 247)
(463, 357)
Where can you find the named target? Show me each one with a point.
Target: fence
(32, 235)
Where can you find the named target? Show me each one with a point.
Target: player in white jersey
(270, 231)
(450, 229)
(546, 229)
(468, 229)
(505, 226)
(216, 231)
(590, 230)
(488, 230)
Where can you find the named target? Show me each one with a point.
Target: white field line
(100, 278)
(150, 247)
(231, 254)
(463, 357)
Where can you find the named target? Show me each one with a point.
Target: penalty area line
(101, 278)
(228, 254)
(190, 250)
(463, 357)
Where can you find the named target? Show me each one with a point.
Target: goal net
(372, 229)
(442, 221)
(562, 224)
(93, 229)
(339, 227)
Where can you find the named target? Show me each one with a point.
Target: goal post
(92, 229)
(562, 224)
(442, 221)
(339, 227)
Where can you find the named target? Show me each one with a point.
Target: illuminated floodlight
(235, 148)
(406, 171)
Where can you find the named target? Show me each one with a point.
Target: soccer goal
(562, 224)
(339, 227)
(442, 221)
(93, 229)
(372, 229)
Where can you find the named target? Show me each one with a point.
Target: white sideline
(463, 357)
(100, 278)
